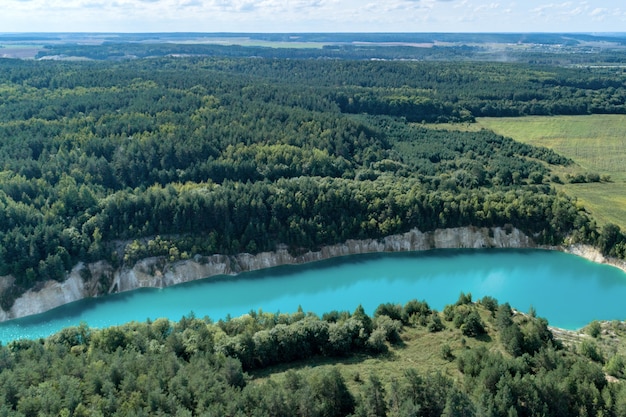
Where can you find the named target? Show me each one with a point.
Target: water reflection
(567, 290)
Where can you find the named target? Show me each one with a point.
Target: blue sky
(312, 16)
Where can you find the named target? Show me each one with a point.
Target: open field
(246, 41)
(419, 349)
(22, 51)
(596, 143)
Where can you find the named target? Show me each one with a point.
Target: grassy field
(244, 41)
(22, 51)
(419, 349)
(596, 143)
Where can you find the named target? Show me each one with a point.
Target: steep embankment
(93, 279)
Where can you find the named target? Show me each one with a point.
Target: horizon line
(321, 32)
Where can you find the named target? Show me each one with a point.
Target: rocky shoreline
(101, 278)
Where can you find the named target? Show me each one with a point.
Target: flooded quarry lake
(567, 290)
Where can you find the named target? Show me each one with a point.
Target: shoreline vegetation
(158, 272)
(118, 159)
(122, 159)
(206, 155)
(475, 357)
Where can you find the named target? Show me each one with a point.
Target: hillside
(140, 154)
(175, 157)
(470, 359)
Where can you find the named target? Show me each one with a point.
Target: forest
(499, 362)
(180, 156)
(135, 153)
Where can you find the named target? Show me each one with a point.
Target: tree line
(199, 367)
(202, 155)
(553, 49)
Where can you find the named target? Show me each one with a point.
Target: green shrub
(594, 329)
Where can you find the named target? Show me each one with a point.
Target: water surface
(568, 290)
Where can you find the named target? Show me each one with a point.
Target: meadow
(596, 143)
(418, 349)
(444, 352)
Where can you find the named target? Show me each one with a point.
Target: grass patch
(596, 144)
(422, 350)
(21, 51)
(20, 46)
(419, 349)
(262, 43)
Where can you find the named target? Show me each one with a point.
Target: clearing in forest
(597, 145)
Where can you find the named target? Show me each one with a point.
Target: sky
(312, 16)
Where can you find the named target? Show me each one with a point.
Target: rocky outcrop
(594, 255)
(89, 280)
(154, 272)
(52, 295)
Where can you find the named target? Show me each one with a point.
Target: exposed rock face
(154, 272)
(85, 280)
(594, 255)
(52, 295)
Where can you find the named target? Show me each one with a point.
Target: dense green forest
(199, 155)
(123, 158)
(500, 363)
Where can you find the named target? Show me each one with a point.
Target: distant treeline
(552, 49)
(203, 155)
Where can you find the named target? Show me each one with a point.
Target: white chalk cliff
(157, 272)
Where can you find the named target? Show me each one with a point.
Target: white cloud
(461, 4)
(598, 11)
(490, 6)
(310, 15)
(576, 11)
(599, 14)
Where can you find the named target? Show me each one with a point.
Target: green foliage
(196, 367)
(594, 329)
(590, 349)
(446, 352)
(393, 311)
(389, 327)
(416, 312)
(196, 156)
(458, 404)
(473, 325)
(260, 340)
(490, 303)
(373, 403)
(464, 315)
(464, 299)
(434, 324)
(611, 240)
(616, 366)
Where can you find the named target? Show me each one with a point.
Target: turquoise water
(569, 291)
